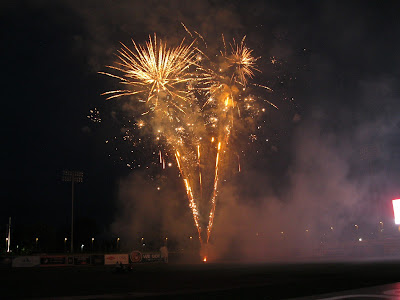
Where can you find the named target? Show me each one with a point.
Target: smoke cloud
(151, 210)
(337, 179)
(338, 175)
(109, 22)
(341, 181)
(339, 167)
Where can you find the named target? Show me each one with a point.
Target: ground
(199, 281)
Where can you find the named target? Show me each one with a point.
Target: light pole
(92, 243)
(191, 246)
(72, 176)
(36, 240)
(9, 235)
(357, 237)
(65, 245)
(117, 244)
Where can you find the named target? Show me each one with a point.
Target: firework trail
(192, 105)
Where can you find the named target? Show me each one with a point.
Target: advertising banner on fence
(135, 256)
(151, 257)
(53, 260)
(82, 260)
(26, 261)
(5, 262)
(97, 259)
(112, 259)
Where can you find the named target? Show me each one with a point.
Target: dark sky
(343, 54)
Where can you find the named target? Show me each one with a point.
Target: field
(178, 281)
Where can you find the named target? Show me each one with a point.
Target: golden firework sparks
(192, 107)
(153, 70)
(198, 162)
(243, 61)
(192, 202)
(214, 196)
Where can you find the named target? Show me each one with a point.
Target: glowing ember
(205, 259)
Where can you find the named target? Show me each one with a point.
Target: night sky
(336, 84)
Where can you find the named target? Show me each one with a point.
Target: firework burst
(155, 71)
(242, 60)
(191, 108)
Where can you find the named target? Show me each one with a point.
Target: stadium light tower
(72, 176)
(9, 235)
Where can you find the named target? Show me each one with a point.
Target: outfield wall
(81, 259)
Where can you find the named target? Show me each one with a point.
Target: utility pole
(72, 176)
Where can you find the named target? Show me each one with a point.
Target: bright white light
(396, 210)
(360, 239)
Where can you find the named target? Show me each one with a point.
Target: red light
(396, 210)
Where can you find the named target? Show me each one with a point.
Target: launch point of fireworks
(191, 107)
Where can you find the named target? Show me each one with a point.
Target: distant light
(360, 239)
(396, 210)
